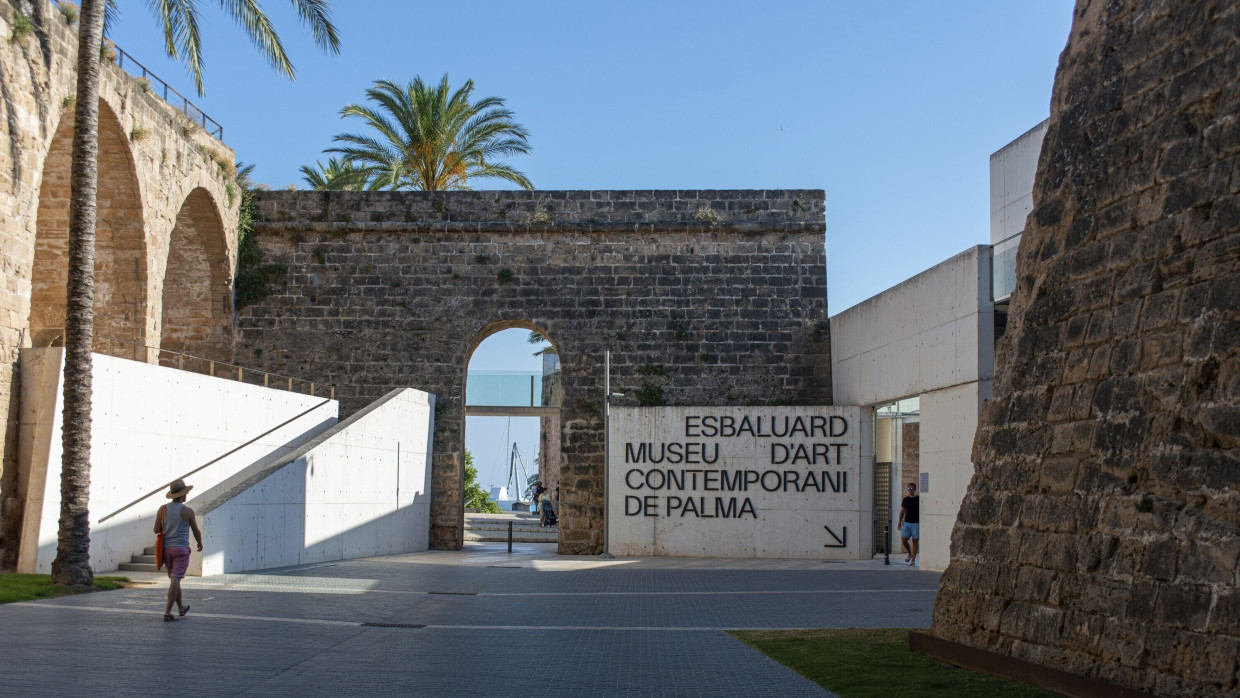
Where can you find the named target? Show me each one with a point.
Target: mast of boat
(515, 461)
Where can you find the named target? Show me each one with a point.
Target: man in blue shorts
(910, 528)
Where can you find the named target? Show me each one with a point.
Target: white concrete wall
(777, 515)
(948, 423)
(359, 489)
(1012, 169)
(931, 336)
(933, 331)
(150, 425)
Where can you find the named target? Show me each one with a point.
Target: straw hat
(178, 488)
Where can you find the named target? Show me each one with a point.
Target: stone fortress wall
(166, 238)
(1101, 532)
(703, 298)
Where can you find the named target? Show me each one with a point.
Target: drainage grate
(394, 625)
(505, 567)
(454, 593)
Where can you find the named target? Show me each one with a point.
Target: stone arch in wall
(550, 447)
(196, 312)
(702, 298)
(120, 247)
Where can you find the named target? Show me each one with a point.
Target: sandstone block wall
(1101, 533)
(163, 185)
(703, 298)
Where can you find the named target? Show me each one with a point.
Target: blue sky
(892, 108)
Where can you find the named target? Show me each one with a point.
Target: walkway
(475, 622)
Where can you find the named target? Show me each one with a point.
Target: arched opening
(120, 247)
(197, 301)
(512, 431)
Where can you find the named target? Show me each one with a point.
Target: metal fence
(130, 349)
(175, 99)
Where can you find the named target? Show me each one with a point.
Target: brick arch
(196, 310)
(550, 445)
(120, 247)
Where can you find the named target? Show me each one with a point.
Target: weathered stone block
(1142, 419)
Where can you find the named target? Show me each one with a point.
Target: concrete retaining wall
(359, 489)
(150, 425)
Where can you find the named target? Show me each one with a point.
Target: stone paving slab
(475, 622)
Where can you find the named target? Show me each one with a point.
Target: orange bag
(159, 550)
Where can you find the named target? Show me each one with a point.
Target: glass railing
(512, 389)
(1003, 268)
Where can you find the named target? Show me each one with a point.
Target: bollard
(509, 536)
(887, 544)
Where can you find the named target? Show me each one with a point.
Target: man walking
(910, 528)
(175, 521)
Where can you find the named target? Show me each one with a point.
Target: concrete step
(501, 526)
(149, 551)
(143, 559)
(138, 566)
(546, 536)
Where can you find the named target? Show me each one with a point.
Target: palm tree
(433, 139)
(179, 19)
(336, 175)
(536, 338)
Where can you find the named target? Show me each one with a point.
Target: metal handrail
(214, 460)
(187, 107)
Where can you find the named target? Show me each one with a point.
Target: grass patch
(865, 663)
(28, 587)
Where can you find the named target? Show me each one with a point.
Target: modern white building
(921, 354)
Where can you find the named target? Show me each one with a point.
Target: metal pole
(606, 453)
(509, 536)
(887, 544)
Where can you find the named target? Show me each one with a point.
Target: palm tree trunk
(72, 564)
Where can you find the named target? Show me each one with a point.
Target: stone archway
(120, 247)
(544, 402)
(702, 298)
(197, 299)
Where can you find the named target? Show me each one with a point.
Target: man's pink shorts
(176, 560)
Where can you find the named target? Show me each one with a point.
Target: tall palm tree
(179, 19)
(336, 175)
(433, 139)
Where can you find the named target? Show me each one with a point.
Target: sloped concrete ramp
(360, 488)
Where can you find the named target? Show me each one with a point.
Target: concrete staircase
(141, 563)
(493, 528)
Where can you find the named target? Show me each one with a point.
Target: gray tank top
(176, 531)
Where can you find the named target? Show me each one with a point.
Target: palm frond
(432, 137)
(254, 21)
(318, 16)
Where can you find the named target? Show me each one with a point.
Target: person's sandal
(184, 611)
(169, 617)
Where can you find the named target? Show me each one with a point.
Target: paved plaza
(478, 622)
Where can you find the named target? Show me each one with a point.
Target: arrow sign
(840, 542)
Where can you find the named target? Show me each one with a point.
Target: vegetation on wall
(22, 27)
(649, 395)
(254, 278)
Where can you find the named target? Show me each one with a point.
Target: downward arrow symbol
(840, 542)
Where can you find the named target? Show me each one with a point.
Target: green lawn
(860, 663)
(27, 587)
